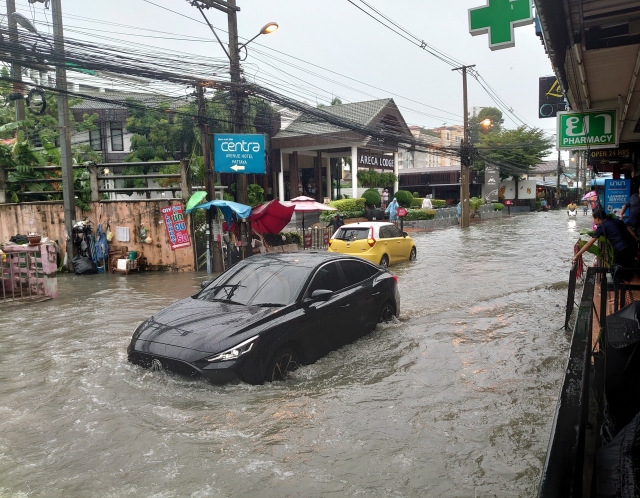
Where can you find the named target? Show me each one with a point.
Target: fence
(28, 273)
(315, 238)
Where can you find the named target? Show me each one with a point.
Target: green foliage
(475, 203)
(415, 194)
(327, 216)
(283, 238)
(255, 194)
(349, 204)
(373, 178)
(497, 206)
(371, 197)
(420, 214)
(515, 151)
(438, 203)
(404, 198)
(416, 202)
(293, 238)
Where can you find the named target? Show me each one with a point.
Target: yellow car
(379, 242)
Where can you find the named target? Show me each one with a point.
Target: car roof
(367, 224)
(309, 259)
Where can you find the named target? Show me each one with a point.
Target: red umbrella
(306, 204)
(271, 217)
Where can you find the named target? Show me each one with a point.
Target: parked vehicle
(267, 315)
(379, 242)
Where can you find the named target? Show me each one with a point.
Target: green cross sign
(498, 18)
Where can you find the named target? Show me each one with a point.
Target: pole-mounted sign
(499, 18)
(595, 129)
(239, 153)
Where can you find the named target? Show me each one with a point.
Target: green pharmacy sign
(589, 129)
(498, 18)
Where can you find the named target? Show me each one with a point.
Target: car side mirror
(405, 234)
(321, 295)
(205, 284)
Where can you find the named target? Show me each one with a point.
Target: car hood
(205, 326)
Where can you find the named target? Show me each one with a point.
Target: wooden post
(185, 184)
(93, 182)
(3, 194)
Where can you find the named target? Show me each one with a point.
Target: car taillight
(371, 240)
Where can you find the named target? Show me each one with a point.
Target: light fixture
(269, 28)
(486, 122)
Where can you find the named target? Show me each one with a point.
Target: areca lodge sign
(366, 160)
(596, 129)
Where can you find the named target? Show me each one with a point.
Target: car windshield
(348, 233)
(265, 284)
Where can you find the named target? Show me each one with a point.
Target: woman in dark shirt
(624, 245)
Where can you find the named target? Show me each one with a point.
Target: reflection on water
(455, 398)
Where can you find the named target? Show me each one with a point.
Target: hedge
(498, 206)
(371, 197)
(420, 214)
(404, 198)
(327, 216)
(438, 203)
(349, 204)
(417, 202)
(283, 238)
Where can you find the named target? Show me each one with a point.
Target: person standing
(585, 209)
(633, 205)
(385, 198)
(392, 209)
(624, 245)
(336, 222)
(426, 203)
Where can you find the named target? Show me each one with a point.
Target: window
(95, 139)
(354, 272)
(360, 233)
(117, 141)
(327, 278)
(385, 233)
(394, 231)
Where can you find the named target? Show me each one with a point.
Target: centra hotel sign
(366, 160)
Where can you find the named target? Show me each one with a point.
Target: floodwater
(455, 399)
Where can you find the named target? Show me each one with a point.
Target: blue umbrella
(227, 208)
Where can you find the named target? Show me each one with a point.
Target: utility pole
(68, 194)
(16, 69)
(214, 256)
(465, 153)
(237, 97)
(558, 181)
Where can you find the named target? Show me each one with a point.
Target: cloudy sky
(330, 48)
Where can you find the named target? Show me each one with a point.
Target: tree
(515, 151)
(476, 126)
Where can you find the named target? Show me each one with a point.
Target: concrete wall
(47, 219)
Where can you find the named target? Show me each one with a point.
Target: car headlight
(236, 351)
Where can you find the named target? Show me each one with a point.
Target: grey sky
(335, 35)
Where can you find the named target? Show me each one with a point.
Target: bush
(293, 238)
(498, 206)
(420, 214)
(437, 203)
(404, 198)
(475, 203)
(416, 194)
(371, 197)
(417, 202)
(349, 204)
(327, 216)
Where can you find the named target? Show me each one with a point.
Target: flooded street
(454, 399)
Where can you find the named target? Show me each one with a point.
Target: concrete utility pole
(465, 154)
(237, 97)
(66, 161)
(558, 181)
(16, 69)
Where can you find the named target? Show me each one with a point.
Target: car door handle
(375, 294)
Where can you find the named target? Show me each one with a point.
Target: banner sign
(588, 129)
(507, 189)
(527, 189)
(616, 194)
(602, 157)
(375, 161)
(491, 183)
(239, 153)
(550, 98)
(176, 227)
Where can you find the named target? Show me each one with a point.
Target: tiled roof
(118, 100)
(547, 167)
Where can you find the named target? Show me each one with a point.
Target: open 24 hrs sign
(595, 129)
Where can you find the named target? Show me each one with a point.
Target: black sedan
(267, 315)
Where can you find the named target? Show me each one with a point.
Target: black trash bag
(618, 464)
(82, 265)
(19, 239)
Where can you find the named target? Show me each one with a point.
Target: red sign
(325, 239)
(401, 212)
(176, 227)
(308, 241)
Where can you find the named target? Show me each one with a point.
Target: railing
(28, 273)
(315, 238)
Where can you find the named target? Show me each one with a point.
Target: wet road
(455, 399)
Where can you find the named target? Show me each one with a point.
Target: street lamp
(486, 122)
(267, 29)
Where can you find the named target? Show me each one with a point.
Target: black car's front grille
(175, 366)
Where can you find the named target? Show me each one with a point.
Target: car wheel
(413, 254)
(387, 313)
(384, 262)
(285, 361)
